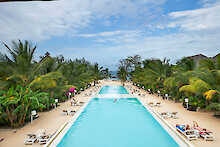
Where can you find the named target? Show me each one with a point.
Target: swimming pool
(113, 90)
(124, 123)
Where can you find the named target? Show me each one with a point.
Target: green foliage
(181, 80)
(17, 104)
(207, 64)
(26, 84)
(214, 106)
(122, 74)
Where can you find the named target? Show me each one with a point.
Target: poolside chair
(151, 104)
(165, 115)
(65, 112)
(1, 139)
(30, 139)
(158, 104)
(72, 112)
(204, 133)
(189, 133)
(43, 139)
(173, 115)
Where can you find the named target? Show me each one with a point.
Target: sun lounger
(158, 104)
(65, 112)
(204, 133)
(72, 112)
(30, 139)
(165, 115)
(207, 135)
(151, 104)
(43, 139)
(187, 132)
(173, 115)
(1, 139)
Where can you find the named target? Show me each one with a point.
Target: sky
(106, 31)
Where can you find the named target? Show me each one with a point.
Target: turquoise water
(113, 90)
(124, 123)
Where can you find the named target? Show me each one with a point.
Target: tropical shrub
(17, 104)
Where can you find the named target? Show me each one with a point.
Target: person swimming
(115, 100)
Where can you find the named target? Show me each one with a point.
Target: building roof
(216, 56)
(199, 55)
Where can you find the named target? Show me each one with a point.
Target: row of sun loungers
(40, 137)
(192, 133)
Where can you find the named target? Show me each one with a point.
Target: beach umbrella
(72, 89)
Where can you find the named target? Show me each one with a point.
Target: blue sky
(106, 31)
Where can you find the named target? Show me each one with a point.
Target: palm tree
(156, 71)
(122, 74)
(19, 63)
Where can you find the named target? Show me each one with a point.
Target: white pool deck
(183, 142)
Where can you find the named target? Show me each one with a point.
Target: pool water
(122, 123)
(113, 90)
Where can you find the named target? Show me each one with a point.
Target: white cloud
(102, 34)
(207, 18)
(172, 46)
(37, 21)
(113, 35)
(43, 20)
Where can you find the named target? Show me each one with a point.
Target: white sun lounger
(30, 139)
(189, 134)
(208, 136)
(205, 134)
(43, 139)
(71, 112)
(158, 104)
(173, 115)
(165, 115)
(151, 104)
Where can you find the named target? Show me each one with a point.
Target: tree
(17, 104)
(19, 63)
(122, 74)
